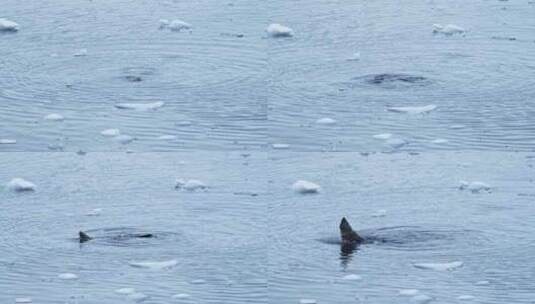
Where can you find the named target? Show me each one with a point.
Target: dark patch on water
(390, 80)
(127, 237)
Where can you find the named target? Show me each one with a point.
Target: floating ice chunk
(67, 276)
(54, 117)
(181, 296)
(110, 132)
(466, 298)
(379, 213)
(408, 292)
(354, 57)
(198, 282)
(382, 136)
(81, 53)
(281, 146)
(164, 23)
(304, 187)
(482, 283)
(307, 301)
(19, 185)
(190, 185)
(137, 297)
(8, 25)
(126, 290)
(439, 141)
(167, 137)
(94, 212)
(154, 265)
(125, 139)
(278, 30)
(439, 266)
(23, 300)
(412, 110)
(174, 25)
(449, 29)
(352, 277)
(140, 106)
(421, 299)
(475, 187)
(6, 141)
(326, 121)
(396, 143)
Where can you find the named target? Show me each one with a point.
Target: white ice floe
(304, 187)
(280, 146)
(67, 276)
(18, 184)
(155, 265)
(8, 25)
(382, 136)
(325, 121)
(308, 301)
(137, 297)
(482, 283)
(421, 299)
(181, 296)
(439, 266)
(412, 110)
(81, 53)
(190, 184)
(439, 141)
(167, 137)
(126, 290)
(124, 139)
(396, 143)
(110, 132)
(354, 57)
(7, 141)
(54, 117)
(94, 212)
(352, 277)
(278, 30)
(474, 187)
(466, 298)
(140, 106)
(449, 29)
(408, 292)
(174, 25)
(23, 300)
(379, 213)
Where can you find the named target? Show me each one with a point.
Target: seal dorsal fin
(84, 237)
(347, 233)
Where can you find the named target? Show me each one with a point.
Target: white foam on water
(23, 300)
(110, 132)
(277, 30)
(382, 136)
(167, 137)
(190, 184)
(474, 187)
(439, 266)
(413, 110)
(408, 292)
(439, 141)
(126, 290)
(198, 282)
(326, 121)
(482, 283)
(396, 143)
(7, 141)
(466, 298)
(352, 277)
(379, 213)
(175, 25)
(457, 127)
(18, 184)
(54, 117)
(140, 106)
(354, 57)
(67, 276)
(181, 296)
(154, 265)
(304, 187)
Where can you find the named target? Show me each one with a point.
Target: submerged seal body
(84, 237)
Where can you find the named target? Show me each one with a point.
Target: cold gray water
(239, 145)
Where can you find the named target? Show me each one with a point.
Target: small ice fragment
(476, 187)
(326, 121)
(277, 30)
(6, 141)
(439, 266)
(379, 213)
(167, 137)
(176, 25)
(94, 212)
(352, 277)
(198, 282)
(125, 139)
(19, 185)
(190, 185)
(456, 127)
(54, 117)
(110, 132)
(280, 146)
(164, 23)
(466, 298)
(154, 265)
(482, 283)
(67, 276)
(463, 185)
(140, 106)
(396, 143)
(412, 110)
(304, 187)
(307, 301)
(382, 136)
(23, 300)
(181, 296)
(354, 57)
(137, 297)
(449, 29)
(126, 290)
(408, 292)
(421, 299)
(8, 25)
(439, 141)
(81, 53)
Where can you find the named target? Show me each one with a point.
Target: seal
(84, 237)
(348, 235)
